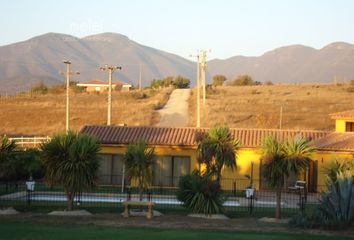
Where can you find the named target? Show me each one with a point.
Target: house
(176, 150)
(102, 86)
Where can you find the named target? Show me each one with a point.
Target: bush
(337, 205)
(200, 194)
(39, 88)
(218, 80)
(181, 82)
(350, 89)
(303, 221)
(139, 95)
(22, 165)
(177, 82)
(244, 80)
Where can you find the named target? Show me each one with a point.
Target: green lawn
(28, 231)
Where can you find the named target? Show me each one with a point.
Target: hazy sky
(227, 27)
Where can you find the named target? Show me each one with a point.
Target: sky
(226, 27)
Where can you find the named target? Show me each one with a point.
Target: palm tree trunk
(70, 197)
(141, 188)
(278, 203)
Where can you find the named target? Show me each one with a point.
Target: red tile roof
(187, 136)
(336, 142)
(347, 115)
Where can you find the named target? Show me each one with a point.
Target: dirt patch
(175, 112)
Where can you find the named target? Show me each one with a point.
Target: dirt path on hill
(175, 112)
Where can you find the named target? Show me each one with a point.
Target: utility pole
(68, 73)
(110, 70)
(140, 75)
(204, 65)
(198, 88)
(281, 117)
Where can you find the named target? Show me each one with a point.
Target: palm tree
(7, 150)
(72, 161)
(138, 161)
(218, 149)
(282, 159)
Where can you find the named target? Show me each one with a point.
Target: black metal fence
(109, 198)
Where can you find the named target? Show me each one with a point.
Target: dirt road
(175, 112)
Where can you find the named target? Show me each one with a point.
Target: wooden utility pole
(140, 76)
(203, 75)
(204, 66)
(68, 73)
(198, 88)
(110, 70)
(281, 117)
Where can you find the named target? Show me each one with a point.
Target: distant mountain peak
(53, 35)
(106, 37)
(338, 46)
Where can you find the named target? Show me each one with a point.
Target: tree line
(241, 80)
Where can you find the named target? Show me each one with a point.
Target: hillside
(305, 106)
(40, 58)
(292, 64)
(45, 114)
(26, 63)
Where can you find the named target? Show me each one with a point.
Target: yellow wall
(244, 158)
(340, 125)
(325, 158)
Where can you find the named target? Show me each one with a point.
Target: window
(349, 126)
(111, 169)
(168, 169)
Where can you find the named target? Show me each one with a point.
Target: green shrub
(39, 88)
(139, 95)
(181, 82)
(337, 205)
(200, 194)
(302, 221)
(244, 80)
(18, 164)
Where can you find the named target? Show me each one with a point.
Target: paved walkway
(175, 112)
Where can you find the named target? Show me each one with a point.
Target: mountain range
(39, 59)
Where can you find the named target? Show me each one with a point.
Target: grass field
(29, 231)
(305, 106)
(45, 114)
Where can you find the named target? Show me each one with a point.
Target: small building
(102, 86)
(177, 155)
(344, 121)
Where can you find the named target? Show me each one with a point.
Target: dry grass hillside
(45, 114)
(304, 106)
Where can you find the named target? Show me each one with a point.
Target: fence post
(149, 194)
(129, 194)
(234, 187)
